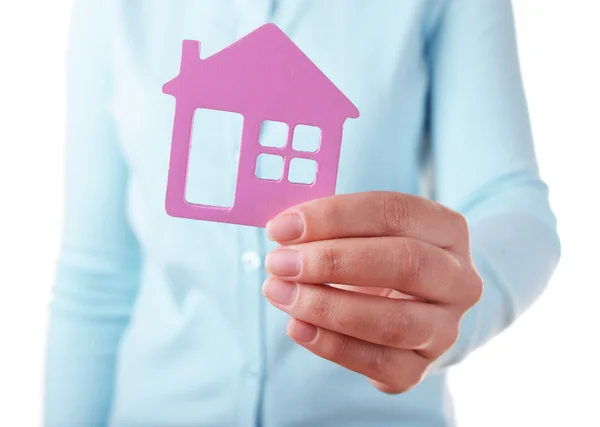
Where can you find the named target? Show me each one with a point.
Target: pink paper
(263, 76)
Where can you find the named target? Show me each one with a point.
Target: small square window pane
(306, 138)
(269, 167)
(273, 134)
(302, 171)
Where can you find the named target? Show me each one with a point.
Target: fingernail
(280, 291)
(285, 228)
(302, 331)
(284, 263)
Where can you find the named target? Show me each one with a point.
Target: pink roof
(264, 75)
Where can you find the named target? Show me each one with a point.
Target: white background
(542, 371)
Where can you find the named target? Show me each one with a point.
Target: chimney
(190, 54)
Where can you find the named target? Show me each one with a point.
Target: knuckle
(395, 213)
(395, 328)
(320, 306)
(330, 262)
(475, 288)
(338, 348)
(478, 284)
(461, 226)
(455, 271)
(410, 259)
(425, 332)
(325, 310)
(381, 361)
(460, 221)
(453, 332)
(465, 276)
(408, 331)
(449, 338)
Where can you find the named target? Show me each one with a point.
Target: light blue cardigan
(159, 322)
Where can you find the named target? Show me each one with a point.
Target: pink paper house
(263, 76)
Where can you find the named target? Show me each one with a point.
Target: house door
(215, 147)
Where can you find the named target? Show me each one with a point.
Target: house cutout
(264, 77)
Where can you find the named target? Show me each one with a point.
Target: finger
(369, 214)
(373, 290)
(399, 370)
(408, 265)
(397, 323)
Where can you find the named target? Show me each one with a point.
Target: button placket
(251, 14)
(250, 262)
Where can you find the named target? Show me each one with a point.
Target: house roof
(263, 73)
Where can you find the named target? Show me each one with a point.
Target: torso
(203, 347)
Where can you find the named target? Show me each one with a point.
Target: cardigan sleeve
(98, 267)
(485, 166)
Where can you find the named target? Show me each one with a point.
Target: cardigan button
(250, 261)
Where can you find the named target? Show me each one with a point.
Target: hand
(405, 276)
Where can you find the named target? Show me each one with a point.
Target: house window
(305, 141)
(306, 138)
(302, 171)
(273, 134)
(269, 167)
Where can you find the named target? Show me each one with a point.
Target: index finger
(371, 214)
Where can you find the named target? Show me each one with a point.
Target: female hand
(403, 279)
